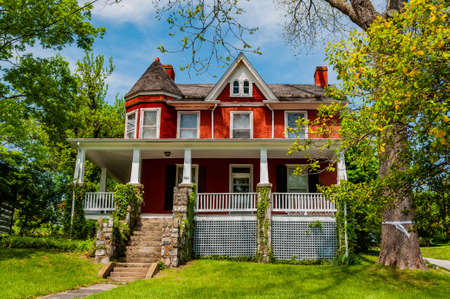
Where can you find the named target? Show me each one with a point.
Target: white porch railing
(301, 202)
(99, 202)
(226, 202)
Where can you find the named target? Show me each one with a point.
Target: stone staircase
(143, 250)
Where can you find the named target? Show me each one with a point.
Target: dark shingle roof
(285, 92)
(155, 78)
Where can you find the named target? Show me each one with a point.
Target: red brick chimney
(321, 76)
(169, 70)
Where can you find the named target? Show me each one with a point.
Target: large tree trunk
(397, 248)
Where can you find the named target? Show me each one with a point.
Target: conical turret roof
(154, 79)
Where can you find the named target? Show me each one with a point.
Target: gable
(240, 71)
(257, 95)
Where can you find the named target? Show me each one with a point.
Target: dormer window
(236, 87)
(241, 88)
(246, 87)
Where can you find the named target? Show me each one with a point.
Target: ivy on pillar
(264, 212)
(177, 238)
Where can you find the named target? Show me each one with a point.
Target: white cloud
(139, 12)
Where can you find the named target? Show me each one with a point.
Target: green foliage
(78, 229)
(432, 216)
(189, 225)
(262, 205)
(59, 244)
(315, 224)
(40, 105)
(128, 201)
(358, 213)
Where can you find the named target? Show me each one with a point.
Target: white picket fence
(99, 202)
(226, 202)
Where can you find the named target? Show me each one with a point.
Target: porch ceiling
(116, 154)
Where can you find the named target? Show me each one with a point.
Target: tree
(398, 71)
(210, 23)
(35, 96)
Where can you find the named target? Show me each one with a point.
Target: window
(296, 183)
(130, 125)
(241, 88)
(290, 119)
(236, 87)
(241, 178)
(246, 87)
(194, 174)
(241, 124)
(188, 124)
(150, 122)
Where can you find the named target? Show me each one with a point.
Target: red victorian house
(226, 137)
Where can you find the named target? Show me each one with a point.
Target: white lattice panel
(294, 237)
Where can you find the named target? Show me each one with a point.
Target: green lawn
(436, 252)
(224, 279)
(29, 272)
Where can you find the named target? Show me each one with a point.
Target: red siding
(214, 177)
(279, 124)
(225, 95)
(262, 121)
(205, 124)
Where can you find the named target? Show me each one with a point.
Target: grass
(29, 272)
(437, 252)
(225, 279)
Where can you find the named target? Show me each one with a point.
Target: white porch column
(187, 167)
(136, 168)
(341, 169)
(103, 180)
(78, 176)
(263, 168)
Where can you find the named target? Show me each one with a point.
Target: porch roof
(116, 154)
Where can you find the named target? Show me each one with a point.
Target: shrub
(7, 241)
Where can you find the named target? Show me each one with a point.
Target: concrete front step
(130, 269)
(140, 243)
(137, 275)
(139, 259)
(133, 265)
(124, 279)
(148, 234)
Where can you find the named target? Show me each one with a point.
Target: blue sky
(133, 34)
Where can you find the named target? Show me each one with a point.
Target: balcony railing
(301, 203)
(226, 202)
(101, 202)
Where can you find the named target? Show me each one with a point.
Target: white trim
(303, 218)
(232, 113)
(141, 121)
(266, 91)
(224, 218)
(135, 124)
(230, 176)
(179, 122)
(286, 135)
(177, 174)
(242, 104)
(287, 174)
(150, 93)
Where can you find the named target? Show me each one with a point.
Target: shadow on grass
(22, 253)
